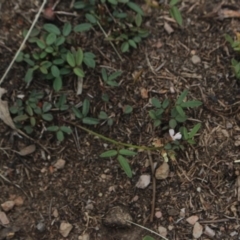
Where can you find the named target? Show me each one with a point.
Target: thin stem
(114, 141)
(24, 41)
(105, 34)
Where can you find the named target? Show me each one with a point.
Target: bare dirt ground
(202, 181)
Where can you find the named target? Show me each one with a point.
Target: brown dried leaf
(27, 150)
(4, 112)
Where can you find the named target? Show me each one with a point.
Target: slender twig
(112, 140)
(151, 231)
(24, 41)
(105, 34)
(153, 187)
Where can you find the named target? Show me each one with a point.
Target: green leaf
(176, 14)
(77, 112)
(112, 83)
(125, 165)
(127, 109)
(194, 130)
(66, 129)
(110, 122)
(79, 57)
(32, 121)
(79, 72)
(168, 146)
(185, 133)
(180, 118)
(147, 237)
(152, 114)
(60, 135)
(114, 75)
(55, 71)
(173, 2)
(21, 118)
(79, 5)
(85, 107)
(71, 59)
(90, 121)
(46, 106)
(191, 104)
(172, 123)
(29, 75)
(135, 8)
(52, 128)
(40, 44)
(132, 43)
(138, 20)
(104, 74)
(102, 115)
(51, 38)
(228, 38)
(108, 154)
(165, 103)
(58, 61)
(51, 28)
(182, 96)
(105, 97)
(49, 49)
(19, 57)
(43, 69)
(127, 152)
(180, 111)
(157, 123)
(91, 18)
(125, 47)
(113, 2)
(47, 117)
(57, 84)
(83, 27)
(88, 59)
(29, 110)
(28, 129)
(156, 103)
(60, 40)
(67, 28)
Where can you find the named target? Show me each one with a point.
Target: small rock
(117, 216)
(60, 164)
(144, 93)
(65, 229)
(55, 213)
(7, 206)
(18, 201)
(197, 230)
(162, 171)
(195, 59)
(143, 181)
(162, 231)
(192, 220)
(41, 226)
(229, 125)
(158, 214)
(89, 206)
(209, 232)
(85, 236)
(182, 213)
(3, 218)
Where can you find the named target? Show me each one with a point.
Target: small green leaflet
(125, 165)
(109, 153)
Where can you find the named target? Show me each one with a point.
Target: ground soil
(202, 181)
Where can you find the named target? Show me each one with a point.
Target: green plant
(30, 111)
(170, 115)
(83, 114)
(123, 18)
(235, 44)
(103, 116)
(60, 131)
(110, 79)
(120, 155)
(174, 11)
(50, 56)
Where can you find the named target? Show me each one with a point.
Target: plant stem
(105, 34)
(114, 141)
(24, 41)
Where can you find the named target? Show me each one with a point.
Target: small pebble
(197, 230)
(195, 59)
(7, 206)
(41, 227)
